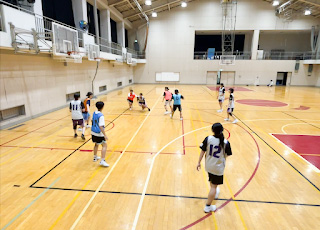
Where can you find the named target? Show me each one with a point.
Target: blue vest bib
(95, 122)
(177, 99)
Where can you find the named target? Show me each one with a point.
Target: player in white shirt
(216, 150)
(221, 97)
(76, 108)
(231, 107)
(142, 102)
(99, 136)
(270, 84)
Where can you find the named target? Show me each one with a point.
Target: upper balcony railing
(267, 55)
(44, 29)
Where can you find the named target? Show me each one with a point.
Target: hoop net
(74, 56)
(227, 59)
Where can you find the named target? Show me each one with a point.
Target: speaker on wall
(310, 68)
(297, 66)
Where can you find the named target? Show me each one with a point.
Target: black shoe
(75, 135)
(82, 136)
(149, 109)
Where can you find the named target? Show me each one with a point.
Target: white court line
(280, 120)
(150, 170)
(314, 168)
(282, 128)
(114, 165)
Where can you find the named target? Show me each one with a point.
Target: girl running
(142, 102)
(131, 96)
(231, 107)
(167, 95)
(86, 113)
(221, 97)
(217, 149)
(177, 103)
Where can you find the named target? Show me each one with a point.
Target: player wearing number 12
(217, 149)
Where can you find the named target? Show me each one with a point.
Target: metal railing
(44, 28)
(267, 55)
(204, 55)
(271, 55)
(136, 54)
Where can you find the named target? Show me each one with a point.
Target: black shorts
(77, 122)
(214, 179)
(131, 101)
(230, 110)
(142, 103)
(175, 107)
(98, 140)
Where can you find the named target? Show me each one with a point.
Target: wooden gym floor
(48, 179)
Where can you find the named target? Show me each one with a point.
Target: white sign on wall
(167, 76)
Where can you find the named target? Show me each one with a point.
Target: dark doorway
(114, 36)
(282, 78)
(60, 10)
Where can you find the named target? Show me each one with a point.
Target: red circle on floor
(265, 103)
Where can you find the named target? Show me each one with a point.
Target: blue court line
(177, 196)
(16, 127)
(28, 206)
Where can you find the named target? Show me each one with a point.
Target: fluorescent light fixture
(148, 2)
(275, 3)
(154, 14)
(183, 4)
(307, 12)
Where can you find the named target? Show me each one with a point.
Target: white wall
(297, 42)
(171, 42)
(41, 83)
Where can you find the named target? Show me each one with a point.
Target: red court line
(237, 193)
(33, 131)
(184, 146)
(27, 147)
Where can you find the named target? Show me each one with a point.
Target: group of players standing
(215, 147)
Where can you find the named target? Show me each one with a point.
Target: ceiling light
(154, 14)
(183, 4)
(307, 12)
(275, 3)
(148, 2)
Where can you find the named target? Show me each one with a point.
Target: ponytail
(221, 139)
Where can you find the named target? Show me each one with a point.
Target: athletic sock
(83, 129)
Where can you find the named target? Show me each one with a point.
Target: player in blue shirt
(177, 103)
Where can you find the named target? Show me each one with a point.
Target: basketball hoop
(227, 59)
(98, 59)
(74, 56)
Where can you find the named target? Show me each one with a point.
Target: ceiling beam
(152, 9)
(115, 2)
(314, 3)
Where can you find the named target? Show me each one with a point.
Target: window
(119, 83)
(70, 96)
(102, 88)
(12, 112)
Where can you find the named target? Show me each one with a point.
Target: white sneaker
(88, 126)
(166, 112)
(96, 158)
(171, 116)
(181, 119)
(210, 208)
(235, 121)
(80, 129)
(219, 111)
(217, 193)
(226, 119)
(130, 109)
(104, 163)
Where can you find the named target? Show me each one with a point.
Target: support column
(255, 44)
(105, 25)
(121, 33)
(37, 7)
(79, 8)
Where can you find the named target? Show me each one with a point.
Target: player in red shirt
(131, 96)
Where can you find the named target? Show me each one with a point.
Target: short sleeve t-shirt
(215, 156)
(101, 123)
(86, 104)
(231, 101)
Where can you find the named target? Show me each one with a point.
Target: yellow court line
(283, 156)
(203, 171)
(79, 193)
(236, 204)
(308, 154)
(27, 150)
